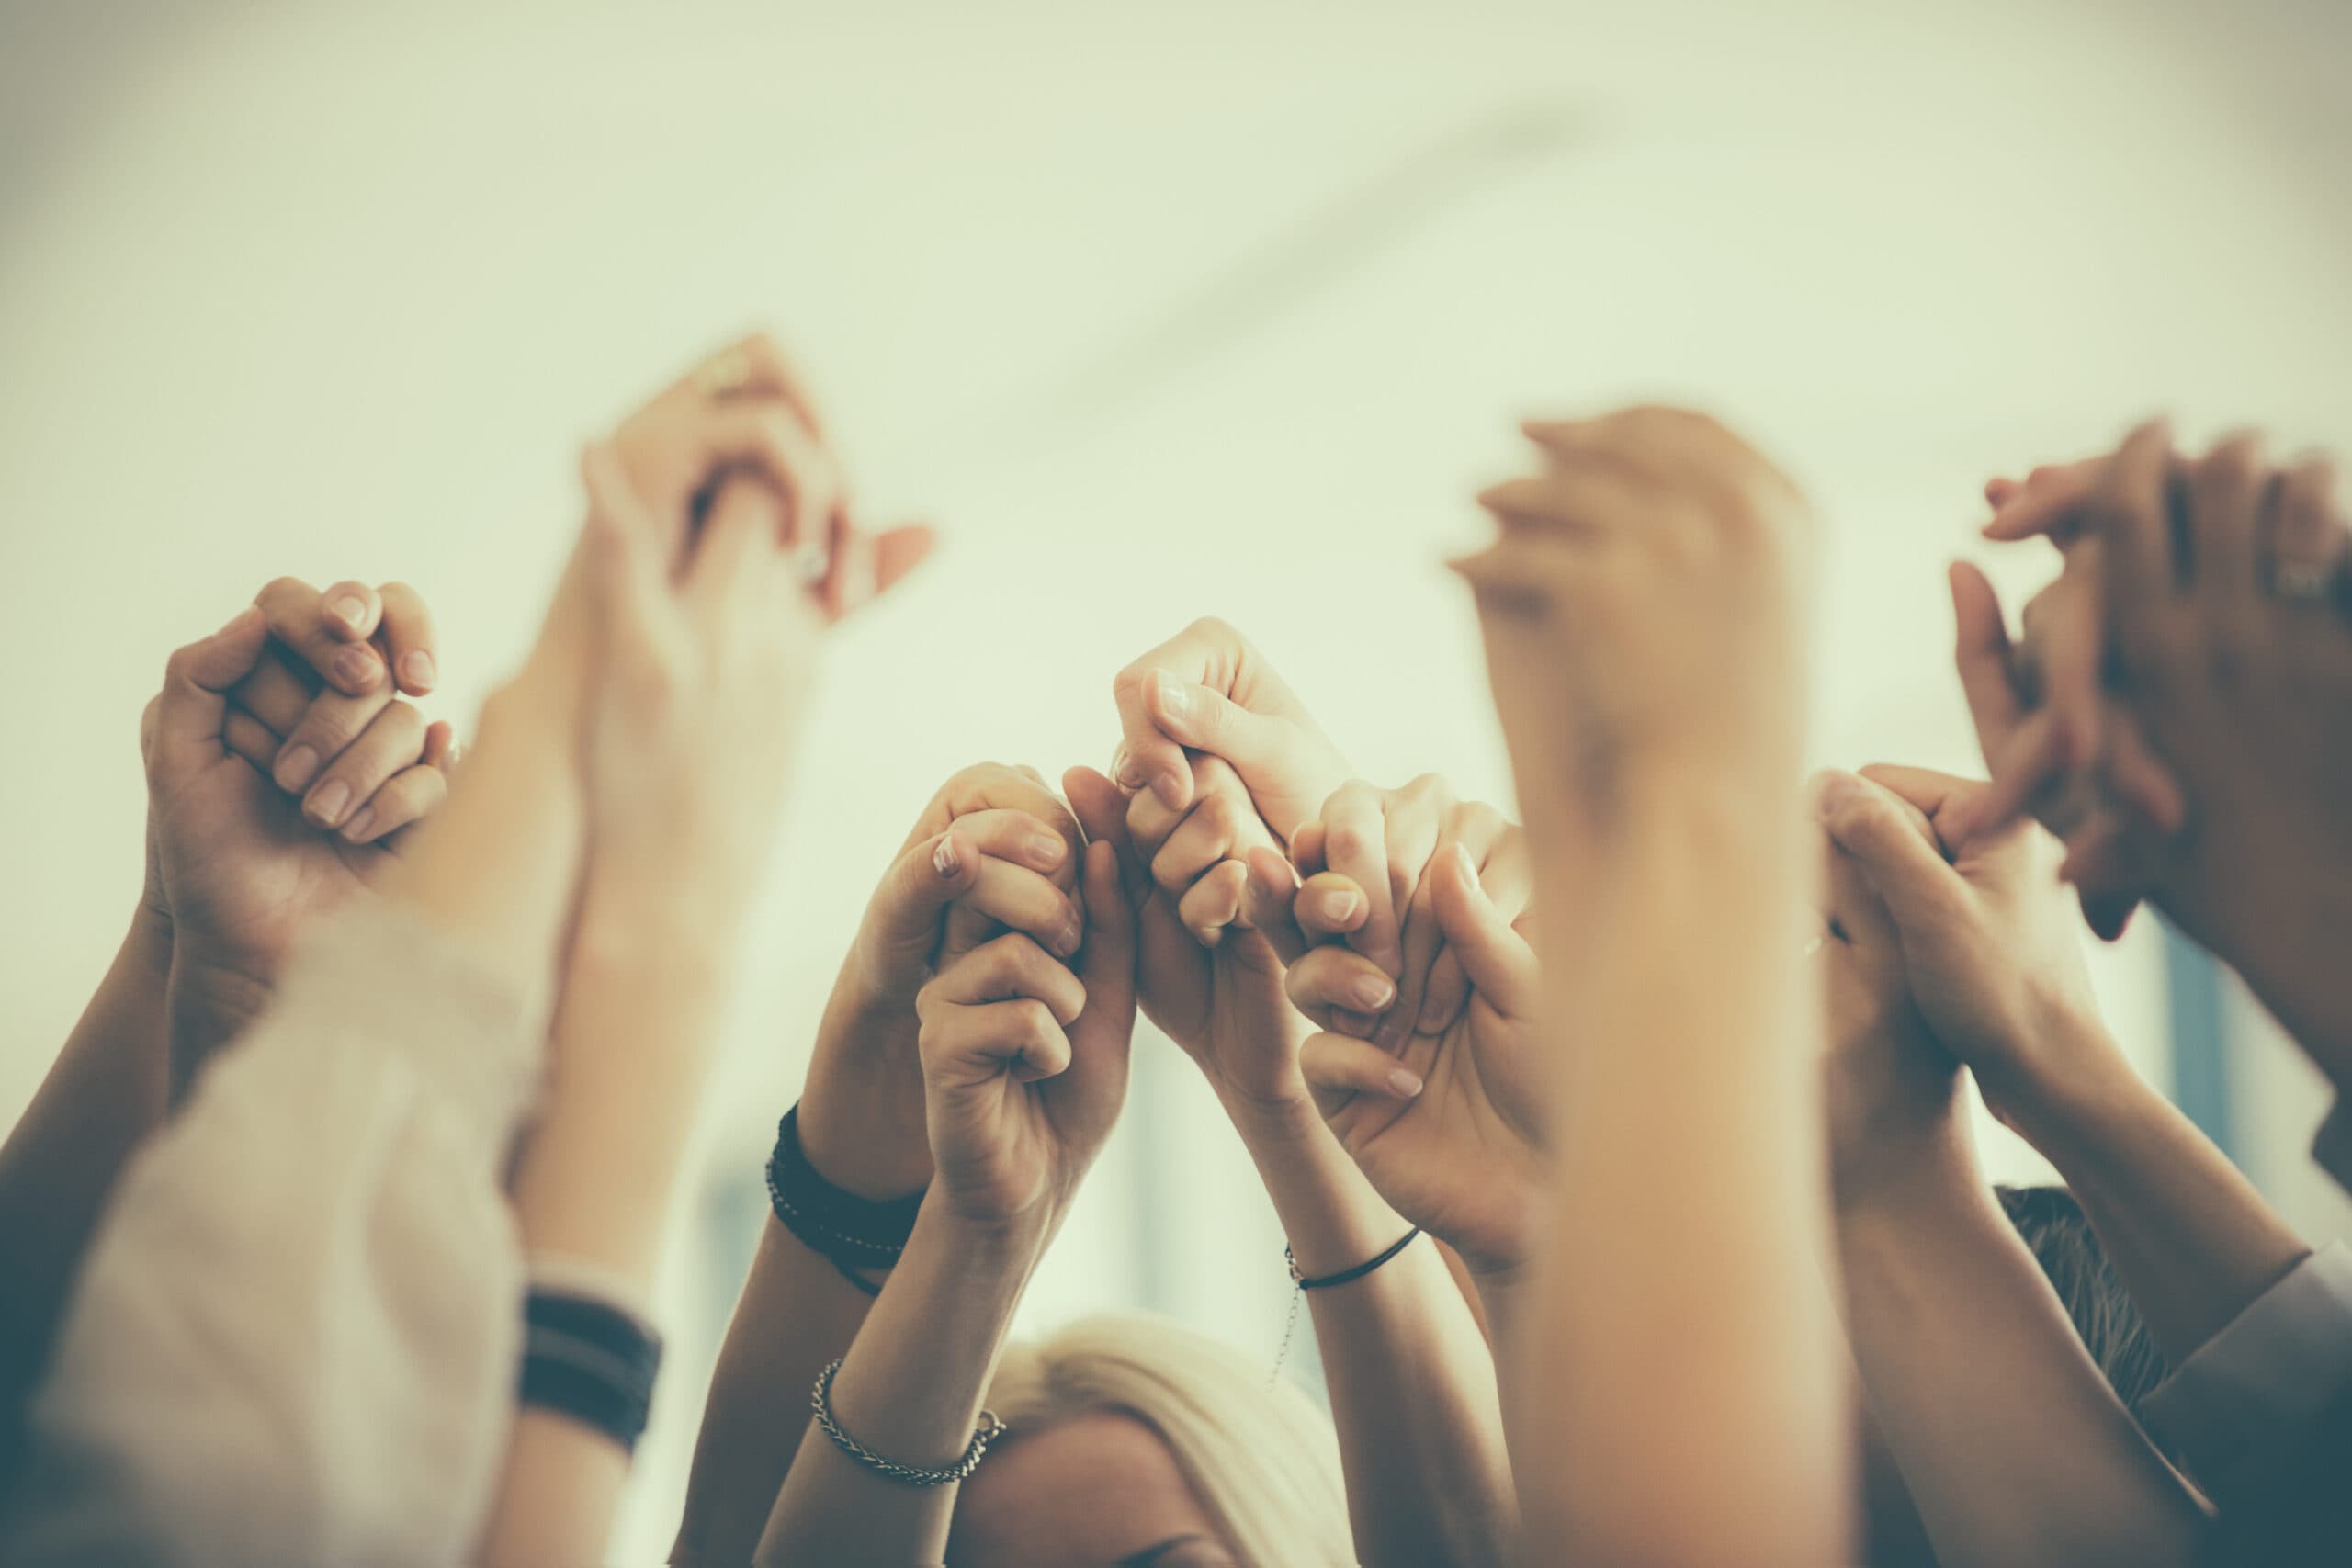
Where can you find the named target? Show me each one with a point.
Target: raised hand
(1207, 688)
(1025, 1059)
(994, 851)
(239, 867)
(1891, 1089)
(1446, 1123)
(746, 409)
(1208, 980)
(1977, 933)
(1643, 612)
(2209, 616)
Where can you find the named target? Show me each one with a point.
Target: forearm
(2015, 1449)
(641, 999)
(634, 1030)
(796, 1317)
(910, 1389)
(1687, 1178)
(2192, 1239)
(598, 1180)
(498, 867)
(105, 1094)
(1412, 1383)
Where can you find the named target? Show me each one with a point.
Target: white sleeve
(294, 1340)
(2261, 1387)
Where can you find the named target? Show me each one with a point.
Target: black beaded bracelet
(852, 1231)
(590, 1360)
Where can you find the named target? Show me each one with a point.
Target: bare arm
(1412, 1380)
(992, 852)
(1679, 1310)
(1643, 609)
(2194, 1242)
(2015, 1449)
(1965, 1351)
(105, 1094)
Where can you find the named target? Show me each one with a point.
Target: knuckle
(2233, 462)
(1128, 685)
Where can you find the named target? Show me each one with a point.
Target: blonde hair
(1264, 1462)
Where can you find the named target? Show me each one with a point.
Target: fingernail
(296, 768)
(350, 612)
(1123, 771)
(1066, 940)
(416, 669)
(1338, 907)
(1045, 851)
(355, 666)
(1404, 1081)
(1171, 790)
(1371, 992)
(331, 804)
(356, 830)
(1835, 790)
(1175, 698)
(945, 859)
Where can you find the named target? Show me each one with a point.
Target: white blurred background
(1156, 312)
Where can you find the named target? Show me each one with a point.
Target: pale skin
(236, 871)
(995, 852)
(691, 576)
(1643, 609)
(1924, 964)
(1025, 1062)
(1411, 1382)
(1446, 1123)
(1208, 689)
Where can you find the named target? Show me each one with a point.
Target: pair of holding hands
(287, 766)
(2159, 713)
(979, 1030)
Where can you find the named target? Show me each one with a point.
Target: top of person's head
(2062, 1240)
(1261, 1464)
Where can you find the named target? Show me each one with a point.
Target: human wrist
(860, 1131)
(861, 1113)
(148, 944)
(991, 1245)
(2055, 1096)
(1278, 1127)
(1332, 1217)
(207, 1002)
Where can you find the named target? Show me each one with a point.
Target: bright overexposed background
(1156, 312)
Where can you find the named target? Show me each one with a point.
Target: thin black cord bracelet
(1347, 1276)
(1304, 1284)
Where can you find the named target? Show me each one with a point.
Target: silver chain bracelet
(820, 1401)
